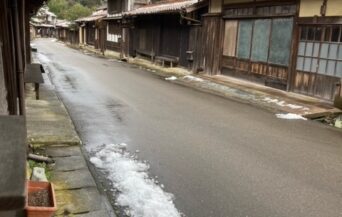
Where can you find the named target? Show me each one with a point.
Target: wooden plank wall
(316, 85)
(208, 48)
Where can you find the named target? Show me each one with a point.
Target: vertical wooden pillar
(208, 52)
(18, 48)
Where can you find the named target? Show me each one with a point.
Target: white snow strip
(284, 104)
(192, 78)
(275, 101)
(290, 116)
(138, 192)
(54, 40)
(294, 106)
(172, 78)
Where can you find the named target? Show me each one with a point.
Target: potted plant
(41, 200)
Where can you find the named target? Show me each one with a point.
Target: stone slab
(73, 179)
(69, 163)
(48, 121)
(63, 151)
(79, 201)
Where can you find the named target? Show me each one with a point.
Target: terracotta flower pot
(34, 187)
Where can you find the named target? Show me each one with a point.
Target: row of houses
(292, 45)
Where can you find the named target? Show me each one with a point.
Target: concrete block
(38, 174)
(69, 163)
(63, 151)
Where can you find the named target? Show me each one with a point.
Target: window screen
(229, 43)
(244, 39)
(281, 36)
(260, 42)
(321, 54)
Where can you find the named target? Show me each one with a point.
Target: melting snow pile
(192, 78)
(142, 196)
(290, 116)
(172, 78)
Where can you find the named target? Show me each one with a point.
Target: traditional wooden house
(44, 22)
(62, 28)
(161, 31)
(254, 40)
(92, 30)
(292, 45)
(317, 68)
(117, 28)
(67, 32)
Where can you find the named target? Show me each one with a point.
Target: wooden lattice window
(259, 40)
(320, 50)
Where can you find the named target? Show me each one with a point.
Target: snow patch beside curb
(290, 116)
(192, 78)
(139, 193)
(172, 78)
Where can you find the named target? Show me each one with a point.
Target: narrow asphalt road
(218, 157)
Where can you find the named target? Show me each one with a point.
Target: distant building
(44, 22)
(92, 29)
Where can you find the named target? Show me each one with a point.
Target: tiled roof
(42, 25)
(114, 16)
(94, 16)
(169, 6)
(63, 23)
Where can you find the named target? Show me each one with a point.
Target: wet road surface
(218, 157)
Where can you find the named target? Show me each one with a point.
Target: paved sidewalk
(268, 98)
(243, 91)
(51, 129)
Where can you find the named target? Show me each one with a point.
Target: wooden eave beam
(258, 4)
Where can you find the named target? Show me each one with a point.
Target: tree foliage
(73, 9)
(58, 7)
(77, 11)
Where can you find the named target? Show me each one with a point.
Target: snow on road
(172, 78)
(193, 78)
(284, 104)
(290, 116)
(138, 192)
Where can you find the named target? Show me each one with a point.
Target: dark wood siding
(90, 31)
(170, 36)
(207, 50)
(161, 35)
(115, 6)
(114, 28)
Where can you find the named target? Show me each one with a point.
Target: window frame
(326, 38)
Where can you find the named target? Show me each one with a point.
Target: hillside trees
(72, 9)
